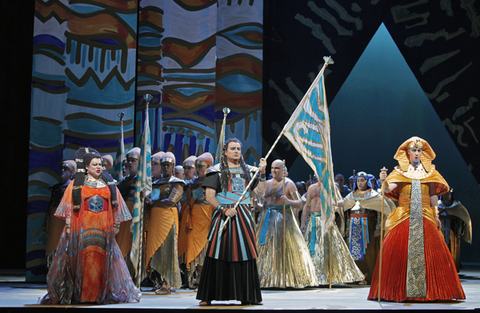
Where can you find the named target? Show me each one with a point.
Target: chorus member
(351, 182)
(190, 173)
(340, 180)
(125, 170)
(127, 189)
(52, 225)
(456, 224)
(299, 268)
(189, 167)
(343, 267)
(363, 208)
(155, 165)
(179, 172)
(198, 213)
(161, 254)
(107, 162)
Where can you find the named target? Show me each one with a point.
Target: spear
(221, 138)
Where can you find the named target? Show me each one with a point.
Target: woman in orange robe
(416, 263)
(88, 266)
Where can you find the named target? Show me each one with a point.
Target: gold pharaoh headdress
(427, 155)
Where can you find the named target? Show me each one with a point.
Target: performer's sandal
(164, 288)
(205, 303)
(194, 287)
(163, 291)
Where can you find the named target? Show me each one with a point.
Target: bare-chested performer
(344, 269)
(299, 268)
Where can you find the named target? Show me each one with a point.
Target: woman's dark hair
(224, 165)
(83, 157)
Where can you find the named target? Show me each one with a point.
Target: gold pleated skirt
(299, 268)
(343, 267)
(165, 259)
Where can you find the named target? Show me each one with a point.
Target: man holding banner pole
(230, 269)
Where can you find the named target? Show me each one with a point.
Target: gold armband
(295, 195)
(436, 210)
(175, 196)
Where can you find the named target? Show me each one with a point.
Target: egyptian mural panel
(438, 39)
(149, 69)
(83, 75)
(183, 86)
(240, 74)
(195, 69)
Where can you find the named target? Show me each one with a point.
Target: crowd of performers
(227, 230)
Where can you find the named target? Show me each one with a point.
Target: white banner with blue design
(308, 130)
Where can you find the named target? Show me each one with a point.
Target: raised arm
(262, 185)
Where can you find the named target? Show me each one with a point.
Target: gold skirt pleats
(343, 267)
(165, 259)
(160, 224)
(299, 268)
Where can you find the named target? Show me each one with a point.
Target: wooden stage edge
(16, 295)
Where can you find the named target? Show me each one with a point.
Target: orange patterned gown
(440, 281)
(88, 266)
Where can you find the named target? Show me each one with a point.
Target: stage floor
(17, 296)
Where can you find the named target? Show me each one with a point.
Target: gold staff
(381, 235)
